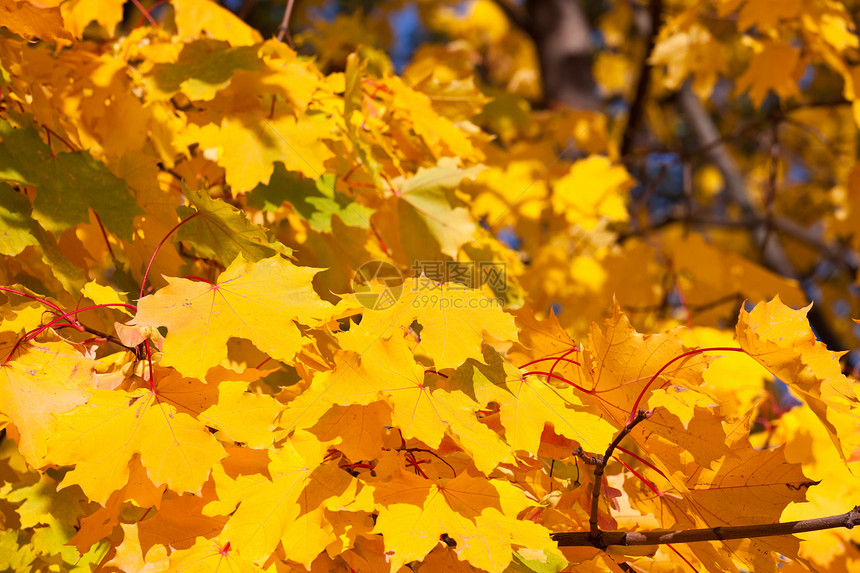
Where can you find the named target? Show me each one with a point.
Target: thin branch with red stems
(595, 535)
(100, 337)
(76, 324)
(679, 357)
(648, 483)
(678, 553)
(409, 451)
(377, 87)
(331, 454)
(158, 248)
(40, 300)
(12, 352)
(143, 289)
(412, 462)
(640, 459)
(562, 358)
(557, 377)
(627, 538)
(145, 13)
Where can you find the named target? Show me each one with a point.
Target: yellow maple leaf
(680, 401)
(807, 442)
(709, 272)
(528, 404)
(593, 190)
(101, 437)
(366, 423)
(41, 20)
(243, 416)
(234, 476)
(755, 486)
(440, 134)
(735, 379)
(780, 339)
(478, 513)
(175, 525)
(453, 322)
(514, 188)
(773, 66)
(77, 14)
(207, 555)
(255, 301)
(686, 49)
(130, 556)
(540, 339)
(101, 294)
(423, 207)
(251, 143)
(43, 380)
(613, 73)
(288, 508)
(388, 371)
(766, 14)
(623, 366)
(196, 17)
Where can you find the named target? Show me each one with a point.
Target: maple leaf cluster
(193, 376)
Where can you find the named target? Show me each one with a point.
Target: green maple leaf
(68, 185)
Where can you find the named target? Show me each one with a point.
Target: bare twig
(587, 460)
(773, 174)
(584, 539)
(595, 535)
(284, 28)
(637, 107)
(838, 254)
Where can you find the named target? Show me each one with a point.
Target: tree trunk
(562, 37)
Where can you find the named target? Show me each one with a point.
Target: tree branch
(584, 538)
(637, 107)
(834, 252)
(595, 535)
(562, 38)
(284, 28)
(772, 252)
